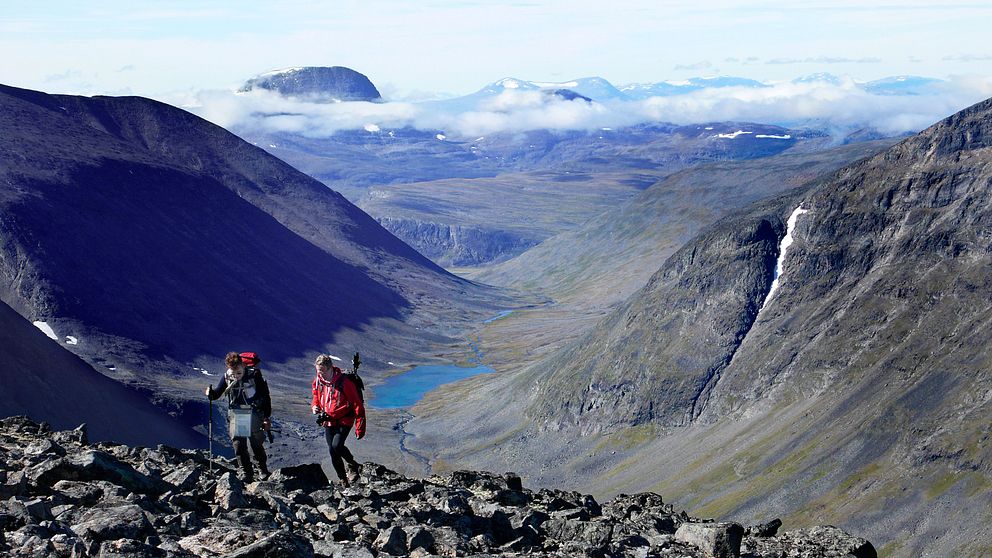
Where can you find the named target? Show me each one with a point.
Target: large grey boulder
(594, 534)
(129, 548)
(716, 540)
(94, 465)
(217, 540)
(122, 522)
(392, 541)
(307, 477)
(184, 478)
(230, 492)
(277, 545)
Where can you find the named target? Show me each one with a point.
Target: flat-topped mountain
(317, 83)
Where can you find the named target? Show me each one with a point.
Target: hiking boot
(345, 483)
(354, 471)
(247, 474)
(263, 471)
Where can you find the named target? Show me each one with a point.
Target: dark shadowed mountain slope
(858, 394)
(317, 83)
(128, 218)
(46, 381)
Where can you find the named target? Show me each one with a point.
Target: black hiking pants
(335, 436)
(241, 450)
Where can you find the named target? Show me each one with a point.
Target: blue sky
(408, 48)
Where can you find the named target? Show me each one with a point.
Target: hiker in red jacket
(339, 406)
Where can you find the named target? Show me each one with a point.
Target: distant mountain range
(337, 83)
(367, 164)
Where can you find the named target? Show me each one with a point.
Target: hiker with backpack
(249, 409)
(338, 404)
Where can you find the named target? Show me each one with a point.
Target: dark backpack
(354, 377)
(251, 361)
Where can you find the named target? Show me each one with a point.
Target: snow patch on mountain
(732, 135)
(46, 329)
(783, 248)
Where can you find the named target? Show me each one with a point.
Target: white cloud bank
(841, 105)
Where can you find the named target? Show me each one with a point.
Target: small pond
(406, 389)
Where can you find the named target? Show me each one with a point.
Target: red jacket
(343, 406)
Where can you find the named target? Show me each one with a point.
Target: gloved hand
(314, 409)
(207, 391)
(266, 424)
(359, 433)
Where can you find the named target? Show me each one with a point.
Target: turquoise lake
(406, 389)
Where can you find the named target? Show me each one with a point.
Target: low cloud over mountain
(823, 101)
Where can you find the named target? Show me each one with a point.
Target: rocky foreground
(61, 496)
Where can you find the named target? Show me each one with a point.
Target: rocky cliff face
(457, 244)
(62, 496)
(669, 344)
(317, 83)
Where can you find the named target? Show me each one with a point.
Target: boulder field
(62, 496)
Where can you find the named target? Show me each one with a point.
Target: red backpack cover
(250, 359)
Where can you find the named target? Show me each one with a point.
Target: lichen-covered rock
(129, 548)
(810, 543)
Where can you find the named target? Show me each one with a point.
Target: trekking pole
(210, 435)
(355, 363)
